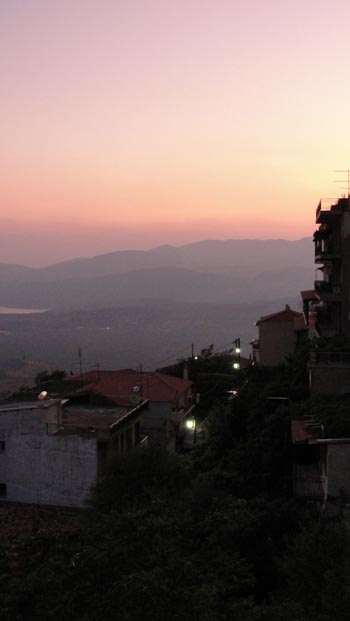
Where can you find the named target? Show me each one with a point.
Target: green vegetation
(211, 536)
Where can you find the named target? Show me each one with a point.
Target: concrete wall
(277, 340)
(338, 469)
(41, 468)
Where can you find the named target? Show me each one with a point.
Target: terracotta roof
(309, 295)
(118, 387)
(286, 315)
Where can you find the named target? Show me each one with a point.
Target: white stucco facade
(40, 466)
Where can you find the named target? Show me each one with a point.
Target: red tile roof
(309, 295)
(120, 386)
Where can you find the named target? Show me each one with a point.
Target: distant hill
(127, 308)
(204, 254)
(209, 271)
(168, 283)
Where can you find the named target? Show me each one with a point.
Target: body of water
(6, 310)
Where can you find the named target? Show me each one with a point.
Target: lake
(6, 310)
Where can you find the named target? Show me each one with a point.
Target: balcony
(327, 291)
(330, 358)
(329, 208)
(326, 250)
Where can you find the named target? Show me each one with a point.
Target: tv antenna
(347, 181)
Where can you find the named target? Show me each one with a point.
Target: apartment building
(332, 254)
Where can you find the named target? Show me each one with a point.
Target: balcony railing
(326, 288)
(323, 286)
(328, 207)
(326, 248)
(330, 358)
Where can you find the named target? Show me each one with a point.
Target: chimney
(287, 307)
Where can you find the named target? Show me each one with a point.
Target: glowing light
(236, 365)
(190, 423)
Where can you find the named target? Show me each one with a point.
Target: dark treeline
(208, 536)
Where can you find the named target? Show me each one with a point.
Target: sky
(132, 124)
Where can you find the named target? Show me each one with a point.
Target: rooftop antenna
(347, 181)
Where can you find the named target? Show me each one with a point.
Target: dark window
(3, 490)
(2, 446)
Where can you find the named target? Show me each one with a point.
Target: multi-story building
(332, 252)
(278, 335)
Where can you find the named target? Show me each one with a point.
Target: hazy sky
(133, 123)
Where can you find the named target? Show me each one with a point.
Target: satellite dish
(43, 395)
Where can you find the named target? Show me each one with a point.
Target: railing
(328, 204)
(330, 358)
(323, 285)
(325, 246)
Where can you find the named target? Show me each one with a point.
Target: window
(3, 490)
(2, 446)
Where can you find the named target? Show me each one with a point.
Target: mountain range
(127, 308)
(208, 271)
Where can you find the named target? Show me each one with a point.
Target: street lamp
(237, 355)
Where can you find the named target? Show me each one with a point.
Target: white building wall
(41, 468)
(338, 469)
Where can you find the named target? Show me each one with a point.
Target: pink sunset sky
(135, 123)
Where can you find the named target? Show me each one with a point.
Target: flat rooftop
(98, 418)
(28, 405)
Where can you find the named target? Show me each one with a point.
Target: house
(278, 335)
(52, 452)
(321, 464)
(332, 253)
(169, 398)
